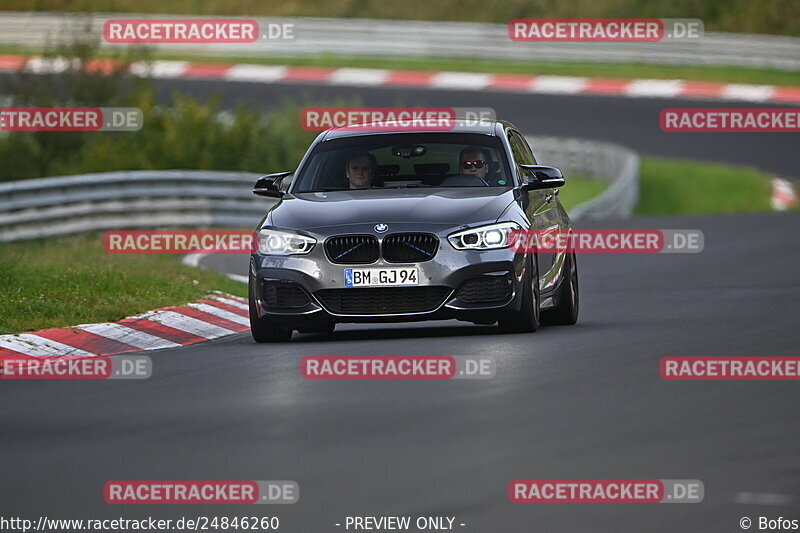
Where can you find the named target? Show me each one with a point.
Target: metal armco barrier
(47, 207)
(594, 160)
(377, 37)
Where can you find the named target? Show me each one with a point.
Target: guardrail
(595, 160)
(35, 208)
(47, 207)
(374, 37)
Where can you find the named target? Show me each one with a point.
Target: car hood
(453, 206)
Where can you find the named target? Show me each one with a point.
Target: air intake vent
(352, 249)
(388, 300)
(410, 247)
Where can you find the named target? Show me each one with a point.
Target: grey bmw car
(394, 225)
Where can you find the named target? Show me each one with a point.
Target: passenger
(361, 169)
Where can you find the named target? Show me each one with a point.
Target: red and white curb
(784, 196)
(216, 316)
(460, 81)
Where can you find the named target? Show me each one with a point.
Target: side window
(528, 149)
(522, 153)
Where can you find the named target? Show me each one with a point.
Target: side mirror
(541, 177)
(269, 185)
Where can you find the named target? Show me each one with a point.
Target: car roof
(460, 125)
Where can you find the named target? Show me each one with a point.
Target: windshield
(405, 161)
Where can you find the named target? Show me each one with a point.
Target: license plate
(380, 277)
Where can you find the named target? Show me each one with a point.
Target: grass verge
(681, 187)
(72, 280)
(677, 187)
(578, 189)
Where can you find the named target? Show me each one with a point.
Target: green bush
(187, 135)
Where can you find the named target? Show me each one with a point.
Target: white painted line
(783, 194)
(159, 69)
(234, 303)
(766, 498)
(753, 93)
(464, 81)
(558, 85)
(237, 277)
(192, 260)
(189, 324)
(654, 88)
(256, 73)
(30, 344)
(367, 77)
(134, 337)
(40, 65)
(222, 313)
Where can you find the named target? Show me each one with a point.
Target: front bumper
(315, 287)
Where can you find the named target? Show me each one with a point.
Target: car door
(541, 209)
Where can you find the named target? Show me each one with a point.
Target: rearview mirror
(269, 185)
(541, 177)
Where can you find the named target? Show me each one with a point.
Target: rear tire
(526, 320)
(566, 312)
(264, 329)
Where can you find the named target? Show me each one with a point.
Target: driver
(361, 169)
(474, 161)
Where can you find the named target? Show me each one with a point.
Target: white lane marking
(193, 260)
(41, 65)
(256, 73)
(159, 69)
(222, 313)
(234, 303)
(237, 277)
(558, 85)
(30, 344)
(128, 335)
(654, 88)
(368, 77)
(765, 498)
(783, 194)
(460, 80)
(753, 93)
(188, 324)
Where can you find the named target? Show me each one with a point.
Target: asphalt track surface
(582, 401)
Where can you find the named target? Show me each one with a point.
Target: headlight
(274, 242)
(484, 238)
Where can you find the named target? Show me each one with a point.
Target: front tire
(264, 329)
(568, 298)
(526, 320)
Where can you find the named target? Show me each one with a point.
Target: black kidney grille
(409, 247)
(383, 300)
(352, 249)
(485, 289)
(284, 295)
